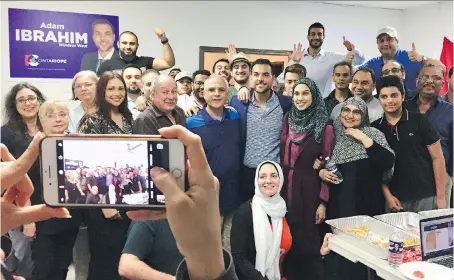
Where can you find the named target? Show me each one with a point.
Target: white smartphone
(107, 171)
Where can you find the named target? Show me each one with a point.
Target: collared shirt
(411, 68)
(103, 59)
(264, 129)
(374, 110)
(221, 143)
(152, 119)
(185, 101)
(320, 68)
(413, 177)
(197, 102)
(133, 108)
(440, 113)
(75, 115)
(331, 101)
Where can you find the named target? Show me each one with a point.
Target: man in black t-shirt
(128, 45)
(418, 183)
(150, 251)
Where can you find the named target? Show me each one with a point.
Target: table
(355, 254)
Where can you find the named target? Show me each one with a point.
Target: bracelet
(165, 41)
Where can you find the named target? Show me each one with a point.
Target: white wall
(250, 24)
(426, 26)
(263, 25)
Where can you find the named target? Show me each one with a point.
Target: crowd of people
(268, 139)
(106, 185)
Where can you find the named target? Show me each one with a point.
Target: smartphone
(107, 171)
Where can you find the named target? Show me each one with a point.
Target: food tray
(407, 221)
(436, 213)
(339, 227)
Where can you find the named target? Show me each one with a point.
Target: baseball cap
(239, 57)
(391, 31)
(182, 75)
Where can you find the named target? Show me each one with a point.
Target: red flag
(447, 59)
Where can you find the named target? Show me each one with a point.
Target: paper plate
(431, 271)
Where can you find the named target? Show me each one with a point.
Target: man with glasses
(429, 102)
(388, 45)
(394, 68)
(363, 86)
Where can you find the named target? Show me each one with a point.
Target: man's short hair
(343, 63)
(440, 67)
(402, 69)
(315, 25)
(130, 33)
(150, 71)
(175, 69)
(450, 72)
(102, 21)
(158, 81)
(130, 66)
(263, 61)
(220, 60)
(391, 81)
(296, 69)
(367, 70)
(201, 72)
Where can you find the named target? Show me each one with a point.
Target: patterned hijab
(314, 118)
(347, 148)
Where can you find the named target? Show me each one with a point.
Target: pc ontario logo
(31, 60)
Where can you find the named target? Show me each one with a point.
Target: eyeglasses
(54, 116)
(86, 85)
(393, 70)
(23, 101)
(356, 113)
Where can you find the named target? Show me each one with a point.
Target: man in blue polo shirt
(429, 102)
(219, 129)
(388, 45)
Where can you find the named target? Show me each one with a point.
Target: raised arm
(168, 59)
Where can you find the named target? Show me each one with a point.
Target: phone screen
(109, 171)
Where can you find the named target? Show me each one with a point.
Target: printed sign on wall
(47, 44)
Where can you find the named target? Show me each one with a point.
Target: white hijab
(267, 240)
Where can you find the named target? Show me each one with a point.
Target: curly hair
(15, 120)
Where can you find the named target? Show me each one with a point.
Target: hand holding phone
(107, 171)
(194, 215)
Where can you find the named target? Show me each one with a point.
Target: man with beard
(342, 76)
(127, 54)
(261, 124)
(133, 79)
(429, 102)
(198, 86)
(319, 62)
(163, 111)
(241, 70)
(104, 37)
(221, 68)
(388, 45)
(363, 86)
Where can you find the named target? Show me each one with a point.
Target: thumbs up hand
(348, 44)
(413, 55)
(351, 54)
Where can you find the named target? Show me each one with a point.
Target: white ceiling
(394, 5)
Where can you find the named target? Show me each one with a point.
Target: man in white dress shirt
(319, 62)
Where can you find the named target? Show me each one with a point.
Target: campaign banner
(73, 164)
(48, 44)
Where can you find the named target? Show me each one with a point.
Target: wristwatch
(165, 41)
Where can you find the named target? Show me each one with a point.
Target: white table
(355, 254)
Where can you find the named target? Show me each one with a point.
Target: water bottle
(396, 249)
(333, 168)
